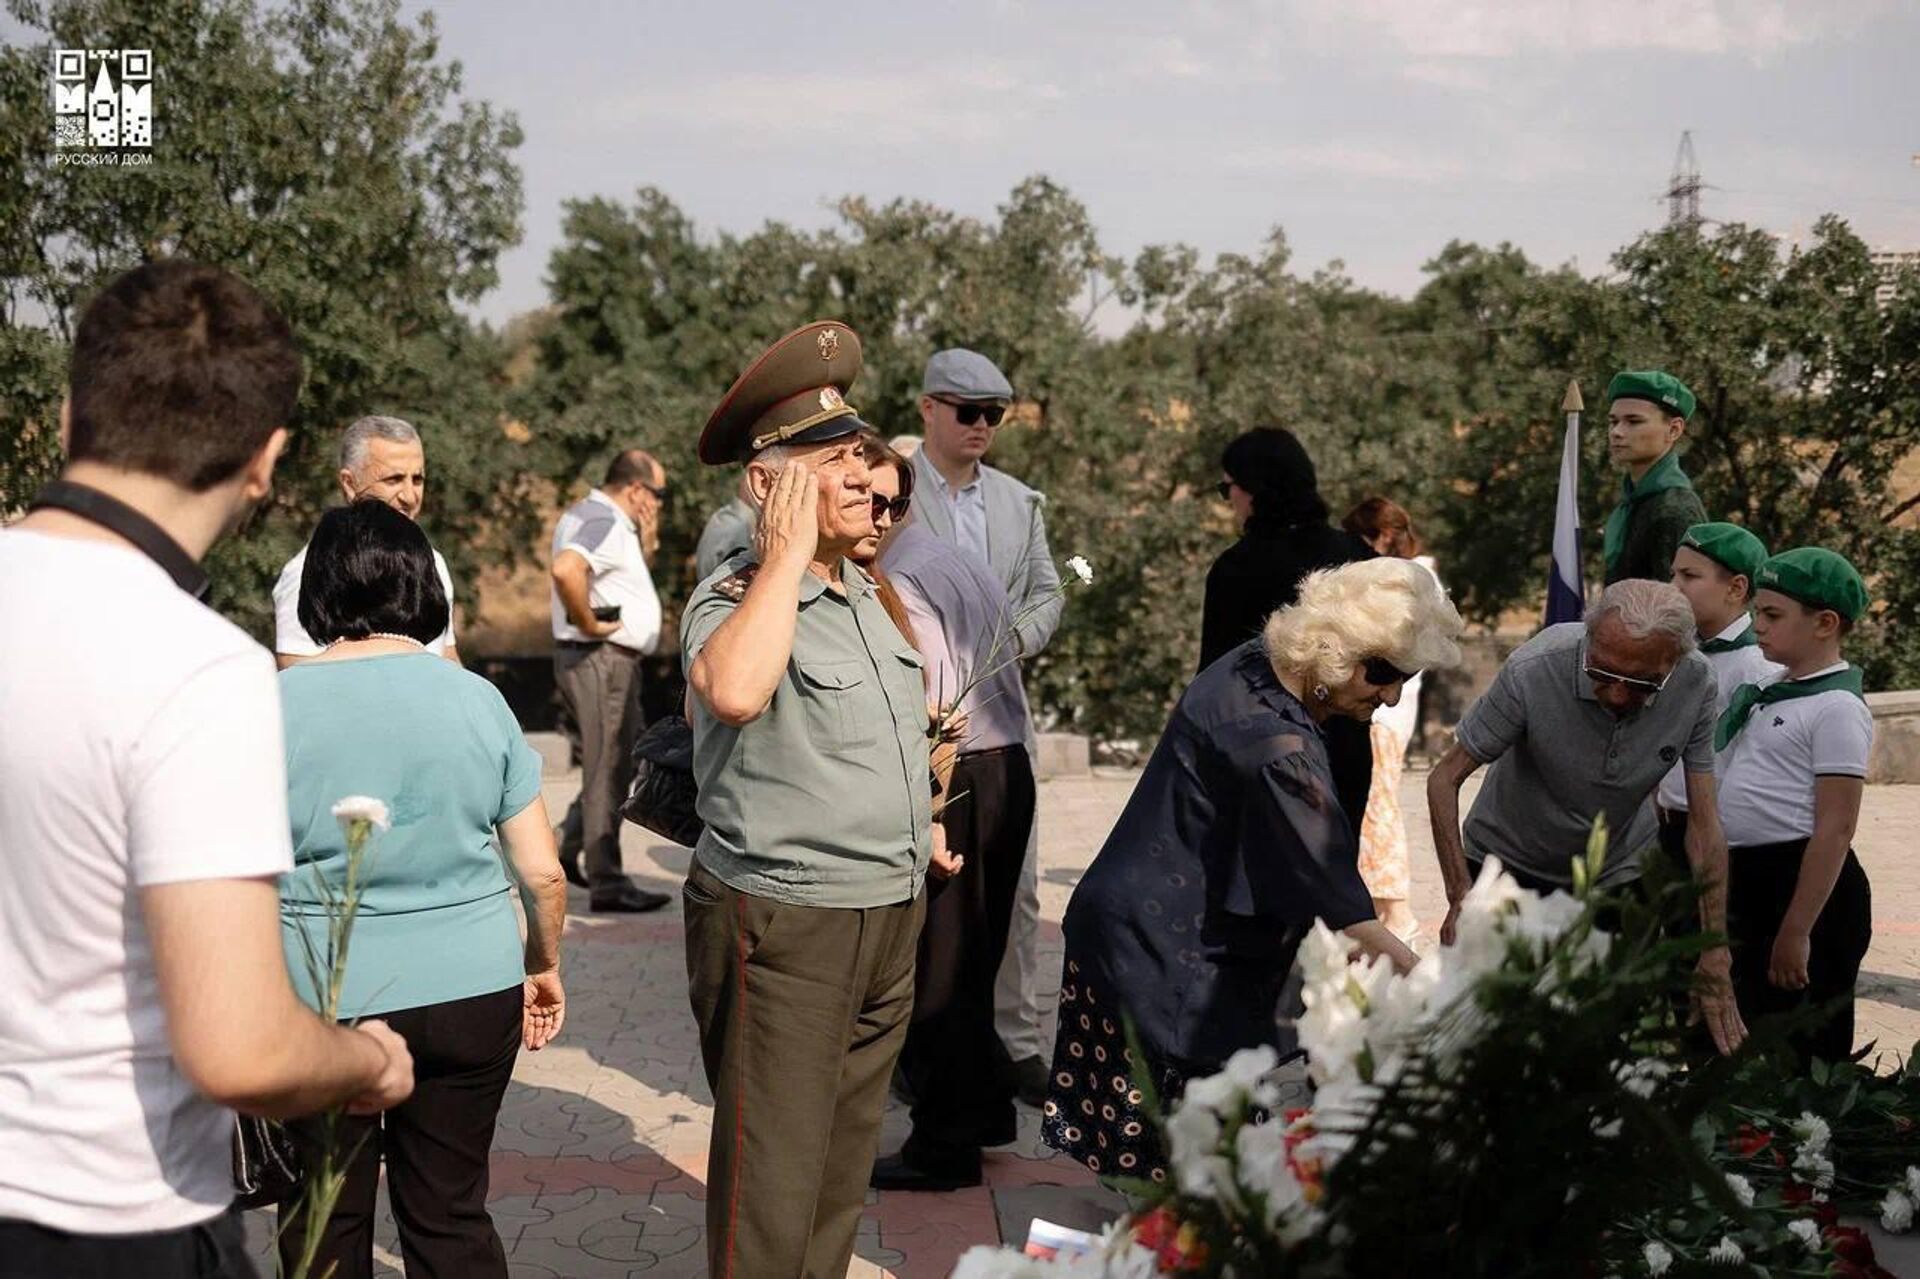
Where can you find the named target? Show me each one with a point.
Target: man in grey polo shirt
(804, 899)
(1583, 721)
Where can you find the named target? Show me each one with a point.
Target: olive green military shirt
(1646, 528)
(826, 799)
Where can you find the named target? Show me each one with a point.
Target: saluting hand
(788, 531)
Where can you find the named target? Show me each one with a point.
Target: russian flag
(1566, 592)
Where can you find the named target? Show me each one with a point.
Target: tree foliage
(324, 150)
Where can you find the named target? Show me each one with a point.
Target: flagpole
(1566, 587)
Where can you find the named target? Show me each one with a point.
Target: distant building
(1889, 263)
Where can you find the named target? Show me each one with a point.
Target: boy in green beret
(1647, 413)
(1714, 567)
(1793, 766)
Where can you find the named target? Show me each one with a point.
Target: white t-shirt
(1730, 670)
(290, 639)
(130, 756)
(603, 535)
(1767, 772)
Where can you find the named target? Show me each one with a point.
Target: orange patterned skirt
(1383, 834)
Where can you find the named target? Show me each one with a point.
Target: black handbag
(266, 1164)
(663, 793)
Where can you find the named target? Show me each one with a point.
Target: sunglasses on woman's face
(894, 508)
(967, 414)
(1380, 672)
(1224, 488)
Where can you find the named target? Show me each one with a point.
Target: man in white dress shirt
(380, 458)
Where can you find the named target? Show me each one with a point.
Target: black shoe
(893, 1172)
(569, 858)
(626, 900)
(1031, 1081)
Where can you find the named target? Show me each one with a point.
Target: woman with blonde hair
(1385, 526)
(1233, 844)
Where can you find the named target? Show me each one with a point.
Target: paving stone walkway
(599, 1162)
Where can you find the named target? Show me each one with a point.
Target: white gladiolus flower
(1806, 1232)
(1081, 569)
(1193, 1137)
(1217, 1093)
(1811, 1132)
(1742, 1189)
(1334, 1033)
(1658, 1257)
(1913, 1184)
(1323, 956)
(1264, 1170)
(361, 808)
(1251, 1065)
(1727, 1253)
(1896, 1213)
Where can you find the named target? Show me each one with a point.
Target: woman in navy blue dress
(1233, 844)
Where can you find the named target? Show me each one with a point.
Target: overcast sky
(1373, 131)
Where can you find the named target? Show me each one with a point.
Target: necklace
(377, 635)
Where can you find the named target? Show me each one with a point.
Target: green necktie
(1749, 697)
(1745, 639)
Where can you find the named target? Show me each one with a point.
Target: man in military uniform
(729, 531)
(803, 903)
(963, 501)
(1647, 412)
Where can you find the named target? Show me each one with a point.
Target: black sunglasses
(894, 507)
(967, 414)
(1600, 675)
(1224, 488)
(1380, 672)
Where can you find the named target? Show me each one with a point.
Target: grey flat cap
(961, 374)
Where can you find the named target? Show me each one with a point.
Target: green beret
(1664, 389)
(1730, 546)
(1817, 578)
(793, 394)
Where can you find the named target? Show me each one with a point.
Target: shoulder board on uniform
(734, 585)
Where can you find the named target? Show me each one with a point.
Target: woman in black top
(1285, 535)
(1230, 848)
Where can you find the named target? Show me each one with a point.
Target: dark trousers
(801, 1012)
(1761, 880)
(435, 1143)
(215, 1249)
(962, 1099)
(600, 684)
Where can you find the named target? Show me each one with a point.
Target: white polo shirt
(130, 756)
(609, 541)
(290, 639)
(1730, 670)
(1767, 772)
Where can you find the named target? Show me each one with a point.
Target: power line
(1683, 188)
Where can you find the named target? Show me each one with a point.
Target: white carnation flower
(1079, 567)
(361, 808)
(1811, 1132)
(1806, 1232)
(1896, 1213)
(1727, 1253)
(1813, 1168)
(1642, 1078)
(1658, 1257)
(1742, 1189)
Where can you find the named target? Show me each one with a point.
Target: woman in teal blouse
(436, 948)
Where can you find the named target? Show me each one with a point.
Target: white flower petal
(361, 808)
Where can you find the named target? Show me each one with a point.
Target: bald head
(634, 466)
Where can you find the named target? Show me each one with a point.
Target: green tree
(321, 149)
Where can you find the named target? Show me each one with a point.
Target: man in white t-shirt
(605, 616)
(1714, 567)
(380, 458)
(143, 808)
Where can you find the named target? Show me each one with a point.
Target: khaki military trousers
(802, 1011)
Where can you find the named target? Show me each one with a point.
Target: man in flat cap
(810, 746)
(963, 398)
(1647, 412)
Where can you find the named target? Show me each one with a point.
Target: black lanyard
(116, 516)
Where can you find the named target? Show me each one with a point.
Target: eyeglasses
(895, 508)
(1224, 488)
(967, 413)
(1380, 672)
(659, 492)
(1607, 678)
